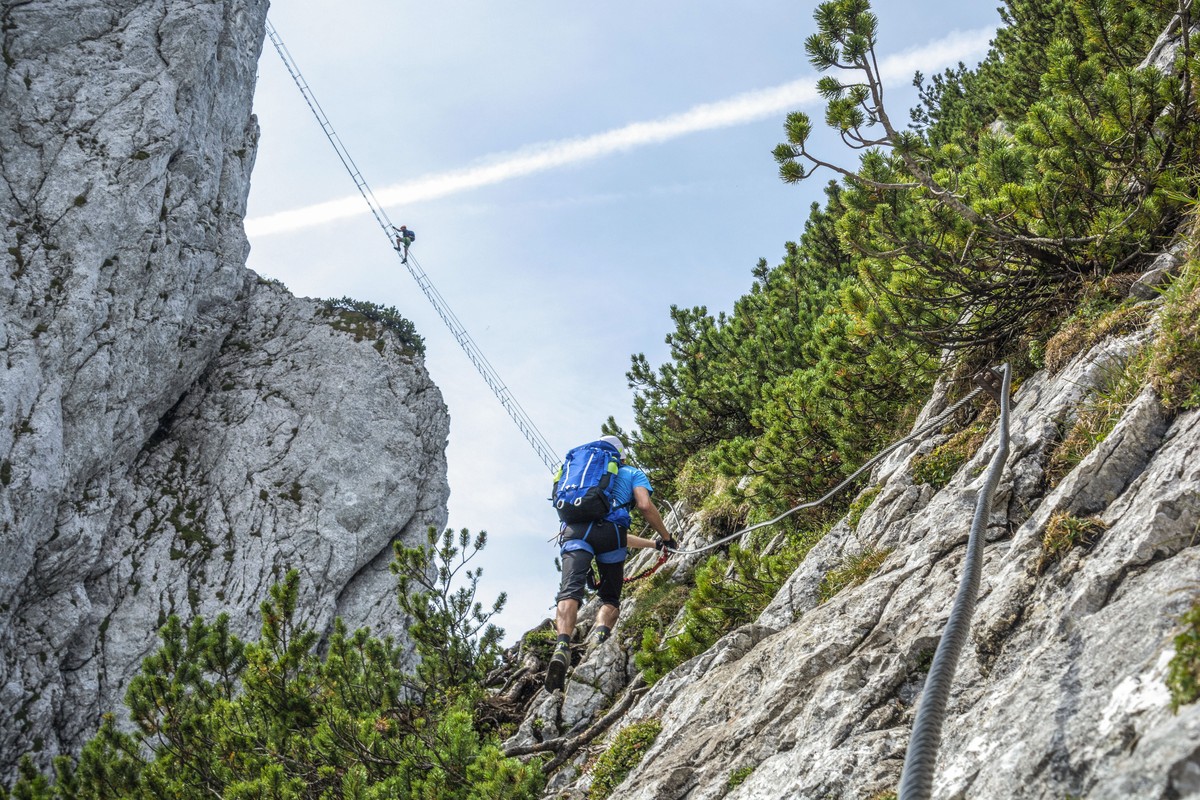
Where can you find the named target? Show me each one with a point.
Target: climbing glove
(665, 544)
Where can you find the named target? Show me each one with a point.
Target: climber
(607, 540)
(404, 238)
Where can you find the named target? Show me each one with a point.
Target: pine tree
(217, 717)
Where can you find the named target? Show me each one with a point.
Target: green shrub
(712, 496)
(284, 718)
(1183, 673)
(938, 466)
(657, 600)
(453, 634)
(625, 752)
(728, 592)
(354, 317)
(706, 616)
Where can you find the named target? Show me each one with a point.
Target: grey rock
(175, 431)
(563, 784)
(1165, 48)
(799, 593)
(1149, 283)
(541, 722)
(594, 683)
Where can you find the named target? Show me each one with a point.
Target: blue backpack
(584, 485)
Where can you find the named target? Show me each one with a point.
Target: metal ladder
(524, 424)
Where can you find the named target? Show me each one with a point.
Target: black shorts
(576, 564)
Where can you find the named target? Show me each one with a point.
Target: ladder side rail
(518, 415)
(330, 133)
(489, 374)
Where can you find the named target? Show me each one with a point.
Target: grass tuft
(1087, 328)
(1099, 416)
(626, 751)
(738, 776)
(938, 466)
(1065, 532)
(1183, 672)
(1175, 356)
(854, 570)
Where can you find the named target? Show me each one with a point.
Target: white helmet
(615, 442)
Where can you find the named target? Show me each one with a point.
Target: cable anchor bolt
(991, 382)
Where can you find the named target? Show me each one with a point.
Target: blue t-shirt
(623, 485)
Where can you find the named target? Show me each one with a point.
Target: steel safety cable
(926, 428)
(916, 780)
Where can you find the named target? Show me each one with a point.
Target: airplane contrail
(736, 110)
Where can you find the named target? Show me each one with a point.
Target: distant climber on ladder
(401, 239)
(404, 238)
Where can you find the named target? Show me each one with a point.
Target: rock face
(1060, 691)
(174, 432)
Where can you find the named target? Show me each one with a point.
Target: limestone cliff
(173, 431)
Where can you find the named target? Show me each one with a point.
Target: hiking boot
(556, 673)
(597, 638)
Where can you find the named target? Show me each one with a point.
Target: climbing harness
(928, 427)
(593, 581)
(532, 435)
(916, 780)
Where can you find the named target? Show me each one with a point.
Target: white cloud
(737, 110)
(956, 46)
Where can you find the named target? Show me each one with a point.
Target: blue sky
(553, 158)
